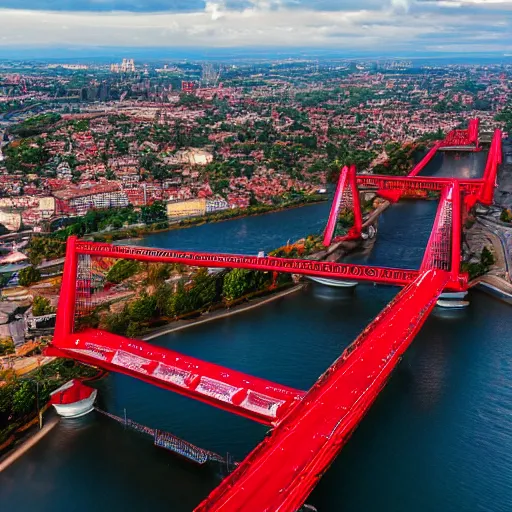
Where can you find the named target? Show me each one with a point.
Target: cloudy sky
(380, 26)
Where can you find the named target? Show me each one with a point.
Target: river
(438, 438)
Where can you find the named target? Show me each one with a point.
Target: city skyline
(366, 27)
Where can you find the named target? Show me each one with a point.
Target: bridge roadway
(381, 275)
(254, 398)
(283, 469)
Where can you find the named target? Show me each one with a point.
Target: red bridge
(463, 140)
(310, 428)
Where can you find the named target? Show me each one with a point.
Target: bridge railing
(380, 182)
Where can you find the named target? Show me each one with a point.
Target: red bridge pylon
(346, 199)
(494, 160)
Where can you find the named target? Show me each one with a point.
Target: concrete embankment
(217, 315)
(497, 281)
(494, 286)
(26, 445)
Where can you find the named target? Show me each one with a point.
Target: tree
(239, 282)
(28, 276)
(40, 248)
(143, 309)
(6, 347)
(158, 272)
(162, 294)
(122, 270)
(42, 306)
(179, 303)
(133, 330)
(110, 174)
(117, 323)
(157, 212)
(24, 398)
(203, 291)
(35, 125)
(487, 258)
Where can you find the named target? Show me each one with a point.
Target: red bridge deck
(252, 397)
(281, 472)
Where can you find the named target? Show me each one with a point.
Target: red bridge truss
(406, 184)
(394, 188)
(459, 139)
(346, 199)
(310, 428)
(491, 169)
(381, 275)
(444, 246)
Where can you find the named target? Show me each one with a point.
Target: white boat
(453, 304)
(453, 295)
(73, 399)
(335, 283)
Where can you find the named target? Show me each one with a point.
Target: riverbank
(28, 443)
(491, 285)
(219, 314)
(497, 281)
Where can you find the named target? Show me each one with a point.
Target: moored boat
(453, 304)
(73, 399)
(335, 283)
(453, 295)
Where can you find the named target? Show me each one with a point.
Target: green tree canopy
(42, 306)
(28, 276)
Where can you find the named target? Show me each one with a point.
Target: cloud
(356, 25)
(106, 5)
(402, 5)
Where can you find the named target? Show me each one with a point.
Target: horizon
(242, 54)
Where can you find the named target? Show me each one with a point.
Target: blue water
(439, 438)
(246, 236)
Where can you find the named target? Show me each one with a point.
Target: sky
(431, 27)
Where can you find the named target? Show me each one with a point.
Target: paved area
(503, 195)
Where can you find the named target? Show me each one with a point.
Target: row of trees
(25, 155)
(400, 159)
(200, 293)
(35, 125)
(505, 116)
